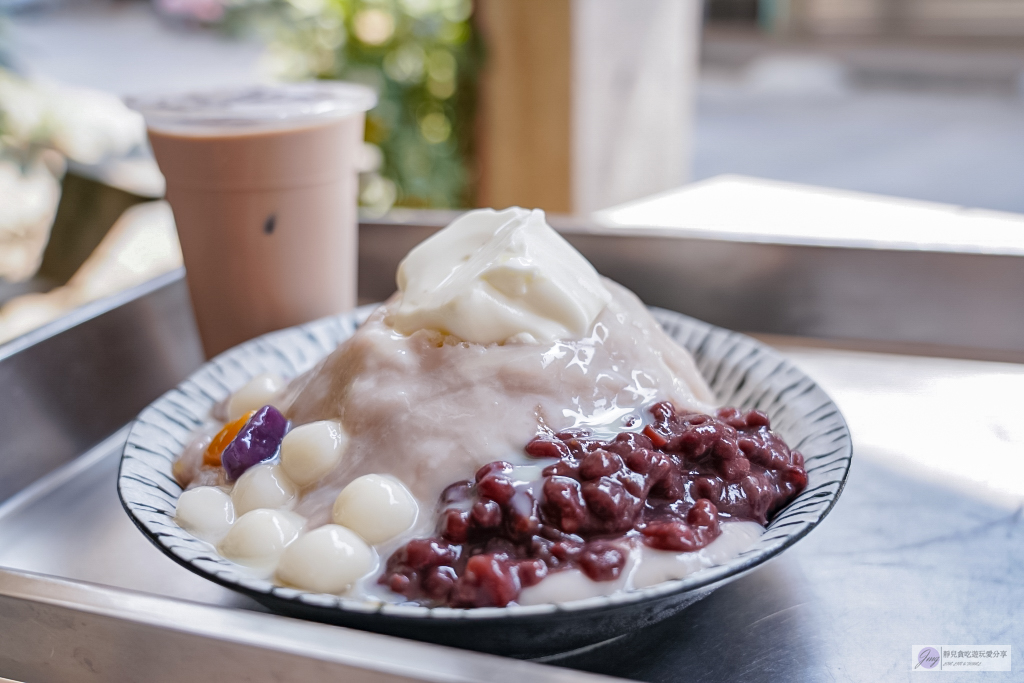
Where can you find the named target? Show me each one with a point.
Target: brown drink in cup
(263, 185)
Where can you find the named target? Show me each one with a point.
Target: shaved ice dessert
(508, 428)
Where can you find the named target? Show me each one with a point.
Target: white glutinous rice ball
(376, 507)
(326, 560)
(206, 512)
(310, 451)
(262, 486)
(259, 537)
(258, 392)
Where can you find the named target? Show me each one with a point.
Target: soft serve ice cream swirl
(492, 276)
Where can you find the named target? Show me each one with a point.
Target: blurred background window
(913, 98)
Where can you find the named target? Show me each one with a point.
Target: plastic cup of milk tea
(263, 184)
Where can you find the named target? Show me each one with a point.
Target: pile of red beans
(669, 486)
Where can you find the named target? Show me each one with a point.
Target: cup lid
(254, 107)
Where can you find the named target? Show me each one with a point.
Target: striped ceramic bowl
(742, 372)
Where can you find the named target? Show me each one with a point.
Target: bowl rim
(264, 589)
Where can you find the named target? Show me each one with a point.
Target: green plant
(421, 56)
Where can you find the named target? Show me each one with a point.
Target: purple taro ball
(257, 441)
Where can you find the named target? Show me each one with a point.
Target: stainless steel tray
(910, 555)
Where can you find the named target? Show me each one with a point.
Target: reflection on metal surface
(141, 245)
(70, 524)
(954, 422)
(744, 209)
(71, 383)
(56, 630)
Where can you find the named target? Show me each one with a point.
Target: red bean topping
(599, 463)
(667, 487)
(455, 525)
(542, 447)
(457, 492)
(496, 467)
(602, 561)
(497, 487)
(486, 514)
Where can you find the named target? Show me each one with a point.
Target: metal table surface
(925, 545)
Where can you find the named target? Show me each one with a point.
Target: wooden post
(585, 103)
(525, 104)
